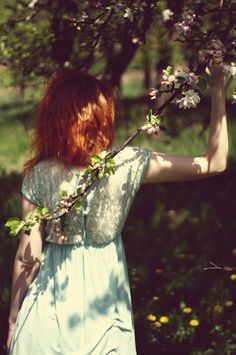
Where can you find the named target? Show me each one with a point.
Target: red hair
(75, 119)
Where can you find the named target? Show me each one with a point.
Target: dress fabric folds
(79, 303)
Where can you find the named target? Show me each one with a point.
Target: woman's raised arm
(163, 167)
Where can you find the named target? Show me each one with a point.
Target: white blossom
(32, 3)
(190, 77)
(149, 129)
(168, 78)
(181, 27)
(128, 14)
(230, 69)
(153, 93)
(188, 17)
(167, 14)
(190, 99)
(188, 20)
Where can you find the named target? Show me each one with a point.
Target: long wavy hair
(75, 119)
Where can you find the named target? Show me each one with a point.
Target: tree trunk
(133, 36)
(146, 68)
(62, 46)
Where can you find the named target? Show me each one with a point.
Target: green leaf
(63, 194)
(12, 221)
(15, 225)
(111, 171)
(79, 190)
(95, 159)
(110, 163)
(40, 212)
(169, 70)
(77, 205)
(44, 211)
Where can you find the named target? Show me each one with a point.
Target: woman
(70, 292)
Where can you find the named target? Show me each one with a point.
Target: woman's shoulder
(45, 167)
(132, 153)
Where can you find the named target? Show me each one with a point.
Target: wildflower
(233, 277)
(137, 40)
(190, 77)
(194, 323)
(167, 14)
(187, 310)
(218, 309)
(156, 325)
(151, 317)
(229, 303)
(155, 298)
(164, 319)
(230, 69)
(190, 99)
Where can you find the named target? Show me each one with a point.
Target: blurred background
(173, 230)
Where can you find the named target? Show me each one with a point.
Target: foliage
(112, 32)
(74, 33)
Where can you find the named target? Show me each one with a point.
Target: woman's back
(104, 211)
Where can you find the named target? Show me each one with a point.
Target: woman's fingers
(216, 51)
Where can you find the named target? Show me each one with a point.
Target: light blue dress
(80, 303)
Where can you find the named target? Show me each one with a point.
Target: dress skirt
(78, 304)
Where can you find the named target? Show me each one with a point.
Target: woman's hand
(216, 52)
(9, 336)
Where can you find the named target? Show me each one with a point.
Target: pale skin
(162, 168)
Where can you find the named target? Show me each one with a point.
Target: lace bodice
(102, 217)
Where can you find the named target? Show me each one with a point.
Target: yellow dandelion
(233, 277)
(164, 319)
(218, 308)
(156, 324)
(229, 303)
(155, 298)
(151, 317)
(193, 322)
(187, 309)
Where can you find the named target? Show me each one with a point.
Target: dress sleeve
(138, 161)
(30, 186)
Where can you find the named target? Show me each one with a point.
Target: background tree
(179, 307)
